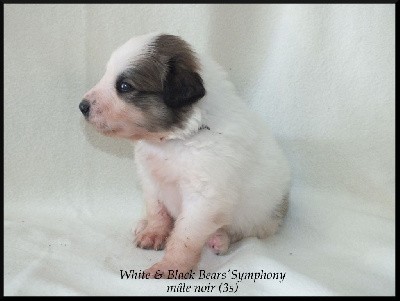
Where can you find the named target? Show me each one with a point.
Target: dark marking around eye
(168, 57)
(123, 86)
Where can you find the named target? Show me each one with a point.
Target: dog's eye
(124, 87)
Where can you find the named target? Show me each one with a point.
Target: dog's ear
(181, 86)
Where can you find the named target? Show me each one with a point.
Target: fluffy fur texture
(211, 170)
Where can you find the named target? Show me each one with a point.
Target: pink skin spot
(219, 242)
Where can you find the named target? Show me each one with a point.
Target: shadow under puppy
(211, 170)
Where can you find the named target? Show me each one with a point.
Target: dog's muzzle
(84, 106)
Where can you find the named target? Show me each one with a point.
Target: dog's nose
(84, 106)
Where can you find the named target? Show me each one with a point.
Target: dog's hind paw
(219, 242)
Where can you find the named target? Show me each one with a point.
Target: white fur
(235, 168)
(232, 176)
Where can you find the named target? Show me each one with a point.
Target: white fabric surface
(322, 76)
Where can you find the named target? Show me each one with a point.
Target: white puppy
(211, 171)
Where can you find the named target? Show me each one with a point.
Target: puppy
(211, 171)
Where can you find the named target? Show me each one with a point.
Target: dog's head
(148, 91)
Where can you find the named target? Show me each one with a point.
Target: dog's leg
(192, 228)
(183, 248)
(152, 232)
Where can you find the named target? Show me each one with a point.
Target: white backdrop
(322, 76)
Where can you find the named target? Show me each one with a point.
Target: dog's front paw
(169, 270)
(151, 236)
(158, 270)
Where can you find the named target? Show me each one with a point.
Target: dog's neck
(190, 128)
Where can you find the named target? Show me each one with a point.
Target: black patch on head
(182, 87)
(165, 83)
(148, 97)
(146, 75)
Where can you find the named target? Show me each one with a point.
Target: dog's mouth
(107, 130)
(103, 127)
